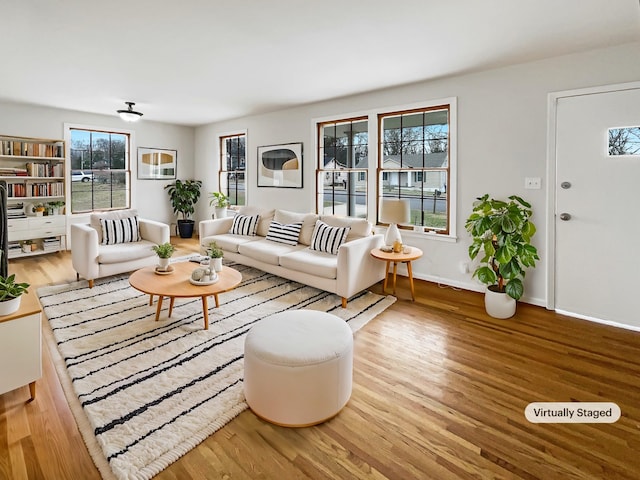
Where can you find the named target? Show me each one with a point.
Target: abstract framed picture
(157, 163)
(280, 165)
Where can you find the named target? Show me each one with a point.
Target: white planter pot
(499, 305)
(163, 262)
(10, 306)
(220, 212)
(217, 264)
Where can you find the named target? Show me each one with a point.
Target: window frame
(450, 105)
(128, 170)
(223, 173)
(347, 170)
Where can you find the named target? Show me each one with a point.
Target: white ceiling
(193, 62)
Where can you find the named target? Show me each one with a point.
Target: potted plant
(220, 202)
(27, 246)
(38, 209)
(502, 231)
(183, 195)
(216, 254)
(10, 294)
(55, 206)
(164, 252)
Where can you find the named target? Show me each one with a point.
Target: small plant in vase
(164, 252)
(10, 294)
(55, 207)
(38, 209)
(216, 254)
(220, 202)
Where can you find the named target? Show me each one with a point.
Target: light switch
(532, 183)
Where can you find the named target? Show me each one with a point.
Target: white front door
(597, 214)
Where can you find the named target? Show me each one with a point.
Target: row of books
(51, 189)
(51, 244)
(35, 169)
(16, 210)
(11, 172)
(31, 149)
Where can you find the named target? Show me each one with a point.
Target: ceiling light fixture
(129, 115)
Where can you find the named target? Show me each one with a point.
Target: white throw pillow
(287, 234)
(245, 225)
(119, 230)
(328, 239)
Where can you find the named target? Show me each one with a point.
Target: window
(100, 170)
(232, 168)
(414, 163)
(343, 157)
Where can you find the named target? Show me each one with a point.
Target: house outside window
(233, 160)
(414, 163)
(100, 170)
(343, 163)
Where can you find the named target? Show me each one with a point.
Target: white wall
(502, 128)
(148, 196)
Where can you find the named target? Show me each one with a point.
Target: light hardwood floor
(439, 393)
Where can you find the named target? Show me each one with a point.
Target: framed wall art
(157, 163)
(280, 165)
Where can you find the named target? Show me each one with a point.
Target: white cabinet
(35, 175)
(21, 346)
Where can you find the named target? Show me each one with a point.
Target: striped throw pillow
(281, 233)
(245, 225)
(327, 238)
(119, 230)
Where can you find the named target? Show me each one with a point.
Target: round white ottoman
(298, 367)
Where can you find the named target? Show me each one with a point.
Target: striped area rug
(143, 392)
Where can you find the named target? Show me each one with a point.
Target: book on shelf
(18, 148)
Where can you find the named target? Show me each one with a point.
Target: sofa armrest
(84, 250)
(357, 269)
(153, 231)
(206, 228)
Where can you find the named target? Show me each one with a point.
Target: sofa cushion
(310, 261)
(327, 238)
(119, 230)
(266, 215)
(228, 242)
(284, 233)
(360, 227)
(266, 251)
(244, 225)
(125, 252)
(308, 223)
(94, 219)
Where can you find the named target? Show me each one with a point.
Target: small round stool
(298, 367)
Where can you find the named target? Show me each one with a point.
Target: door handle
(565, 217)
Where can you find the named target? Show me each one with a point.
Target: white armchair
(91, 259)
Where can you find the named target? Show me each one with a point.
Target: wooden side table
(413, 254)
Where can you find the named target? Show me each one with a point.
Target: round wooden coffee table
(177, 284)
(413, 253)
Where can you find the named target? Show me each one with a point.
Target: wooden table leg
(160, 298)
(171, 305)
(215, 296)
(395, 270)
(150, 300)
(205, 311)
(386, 277)
(413, 294)
(32, 391)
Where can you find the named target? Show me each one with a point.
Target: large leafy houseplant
(184, 194)
(502, 231)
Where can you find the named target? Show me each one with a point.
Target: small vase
(9, 306)
(217, 264)
(163, 263)
(220, 212)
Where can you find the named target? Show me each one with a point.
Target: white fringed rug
(143, 392)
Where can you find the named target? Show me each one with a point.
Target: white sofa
(92, 259)
(345, 274)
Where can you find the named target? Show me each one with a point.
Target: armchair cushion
(95, 218)
(122, 230)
